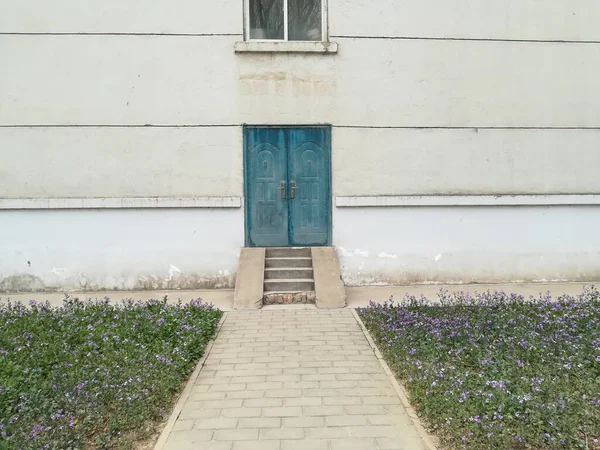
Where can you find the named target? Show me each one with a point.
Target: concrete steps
(287, 276)
(288, 262)
(282, 273)
(288, 270)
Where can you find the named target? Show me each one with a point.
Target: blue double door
(287, 186)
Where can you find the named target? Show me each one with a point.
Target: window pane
(266, 19)
(304, 20)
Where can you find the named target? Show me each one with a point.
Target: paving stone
(400, 444)
(239, 434)
(260, 422)
(305, 444)
(390, 419)
(215, 423)
(241, 412)
(303, 401)
(263, 402)
(202, 396)
(180, 436)
(285, 411)
(254, 445)
(281, 433)
(328, 432)
(183, 425)
(191, 412)
(187, 445)
(323, 410)
(303, 422)
(244, 394)
(365, 409)
(341, 401)
(353, 444)
(284, 393)
(265, 386)
(345, 421)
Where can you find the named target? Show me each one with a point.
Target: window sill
(285, 47)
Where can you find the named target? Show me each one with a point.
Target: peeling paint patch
(360, 252)
(387, 255)
(438, 257)
(345, 252)
(172, 271)
(60, 271)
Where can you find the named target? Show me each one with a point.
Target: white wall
(120, 162)
(404, 245)
(122, 16)
(473, 162)
(472, 19)
(120, 249)
(469, 19)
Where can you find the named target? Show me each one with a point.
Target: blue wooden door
(266, 187)
(309, 184)
(287, 184)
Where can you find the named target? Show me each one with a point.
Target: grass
(496, 370)
(93, 374)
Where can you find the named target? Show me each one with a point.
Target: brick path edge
(164, 435)
(427, 439)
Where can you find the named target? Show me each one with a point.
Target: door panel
(309, 163)
(266, 173)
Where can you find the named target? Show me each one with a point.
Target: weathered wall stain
(21, 283)
(31, 283)
(279, 83)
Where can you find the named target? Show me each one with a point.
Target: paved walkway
(291, 380)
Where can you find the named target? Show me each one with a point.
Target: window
(285, 20)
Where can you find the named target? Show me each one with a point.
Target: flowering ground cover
(94, 374)
(496, 370)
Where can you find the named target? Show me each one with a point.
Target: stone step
(289, 298)
(288, 272)
(290, 285)
(288, 252)
(288, 262)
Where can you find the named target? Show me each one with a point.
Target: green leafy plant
(94, 374)
(496, 370)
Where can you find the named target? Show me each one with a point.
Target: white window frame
(324, 24)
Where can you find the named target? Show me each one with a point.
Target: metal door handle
(282, 188)
(292, 189)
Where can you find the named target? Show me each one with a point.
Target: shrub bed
(496, 370)
(93, 374)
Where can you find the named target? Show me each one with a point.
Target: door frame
(247, 242)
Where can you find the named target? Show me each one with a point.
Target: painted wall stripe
(121, 203)
(467, 200)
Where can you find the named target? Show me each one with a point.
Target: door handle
(292, 189)
(282, 188)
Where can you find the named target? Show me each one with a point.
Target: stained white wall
(406, 245)
(191, 80)
(120, 249)
(434, 97)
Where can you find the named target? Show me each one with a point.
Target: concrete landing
(329, 287)
(249, 282)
